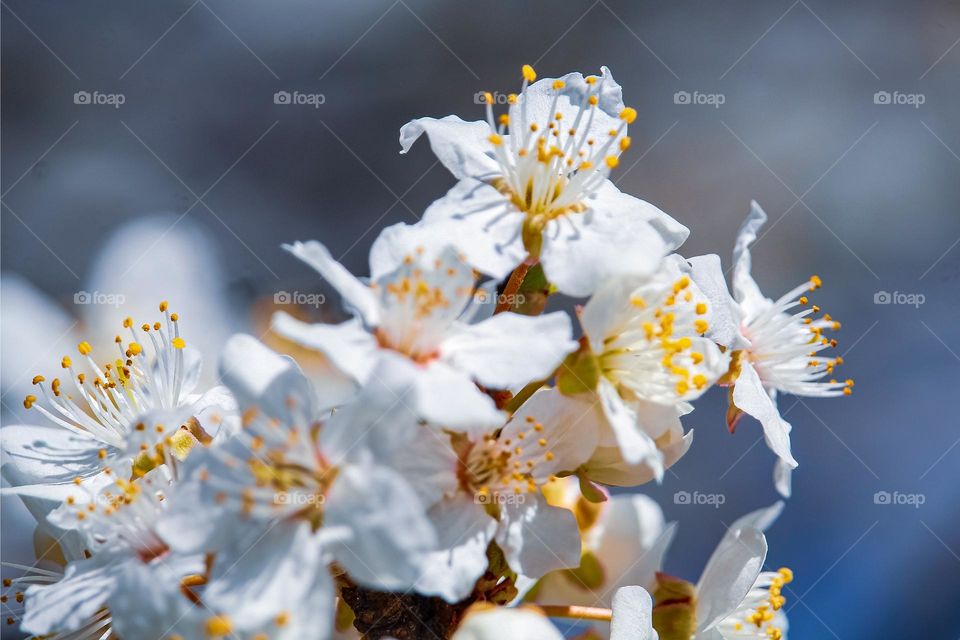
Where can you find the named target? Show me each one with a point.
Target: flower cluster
(446, 467)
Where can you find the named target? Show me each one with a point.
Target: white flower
(483, 487)
(783, 352)
(623, 543)
(644, 359)
(286, 497)
(534, 185)
(415, 306)
(123, 418)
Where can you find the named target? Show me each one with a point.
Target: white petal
(569, 429)
(350, 348)
(47, 454)
(634, 443)
(482, 224)
(502, 623)
(745, 288)
(607, 466)
(537, 538)
(67, 604)
(268, 574)
(398, 241)
(761, 519)
(632, 615)
(631, 542)
(729, 576)
(611, 239)
(751, 397)
(388, 524)
(260, 377)
(603, 312)
(782, 478)
(465, 530)
(723, 312)
(356, 294)
(462, 147)
(448, 398)
(509, 349)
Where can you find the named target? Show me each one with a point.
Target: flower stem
(522, 396)
(512, 287)
(580, 613)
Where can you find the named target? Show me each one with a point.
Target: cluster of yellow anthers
(626, 353)
(111, 398)
(765, 613)
(548, 167)
(493, 467)
(222, 627)
(817, 327)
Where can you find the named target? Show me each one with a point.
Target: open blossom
(415, 306)
(644, 357)
(284, 488)
(784, 353)
(117, 420)
(533, 185)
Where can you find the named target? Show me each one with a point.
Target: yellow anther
(815, 283)
(28, 401)
(628, 115)
(696, 357)
(134, 349)
(504, 119)
(84, 348)
(590, 80)
(528, 73)
(593, 100)
(164, 306)
(127, 322)
(681, 284)
(66, 363)
(804, 300)
(699, 381)
(174, 317)
(682, 387)
(559, 84)
(701, 326)
(179, 343)
(786, 573)
(218, 626)
(612, 161)
(38, 379)
(638, 302)
(495, 139)
(625, 143)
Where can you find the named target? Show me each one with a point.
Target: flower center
(548, 168)
(757, 615)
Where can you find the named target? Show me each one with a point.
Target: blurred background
(166, 150)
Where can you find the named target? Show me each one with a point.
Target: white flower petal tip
(356, 295)
(487, 622)
(632, 615)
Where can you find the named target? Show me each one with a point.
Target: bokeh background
(187, 189)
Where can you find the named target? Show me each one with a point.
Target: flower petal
(348, 346)
(745, 289)
(751, 397)
(635, 445)
(483, 226)
(729, 575)
(462, 147)
(465, 530)
(632, 615)
(724, 314)
(503, 623)
(537, 538)
(355, 293)
(69, 603)
(509, 349)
